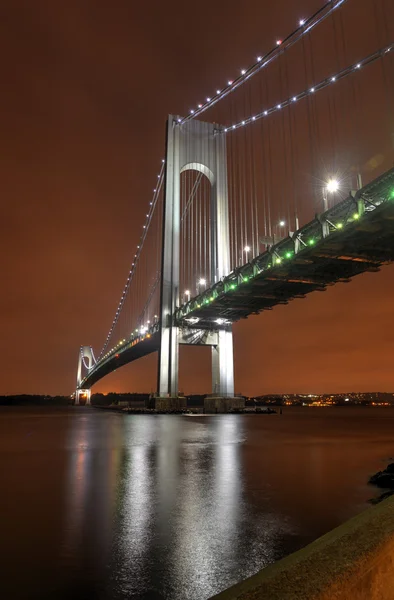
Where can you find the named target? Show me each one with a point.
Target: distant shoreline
(196, 401)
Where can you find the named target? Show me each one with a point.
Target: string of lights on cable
(145, 227)
(354, 68)
(281, 46)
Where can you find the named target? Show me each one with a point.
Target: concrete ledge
(355, 561)
(222, 405)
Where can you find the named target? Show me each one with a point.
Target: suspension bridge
(277, 184)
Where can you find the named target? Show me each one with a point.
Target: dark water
(102, 505)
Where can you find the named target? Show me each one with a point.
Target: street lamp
(201, 282)
(331, 187)
(246, 250)
(187, 294)
(282, 223)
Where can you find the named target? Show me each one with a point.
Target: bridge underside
(363, 245)
(127, 354)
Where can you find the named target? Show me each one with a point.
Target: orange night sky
(86, 89)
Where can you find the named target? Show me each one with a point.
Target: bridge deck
(127, 353)
(355, 236)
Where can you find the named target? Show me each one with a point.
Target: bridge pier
(84, 395)
(85, 353)
(167, 404)
(223, 365)
(220, 404)
(197, 146)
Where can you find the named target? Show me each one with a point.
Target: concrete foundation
(167, 404)
(222, 405)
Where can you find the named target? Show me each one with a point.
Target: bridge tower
(85, 354)
(193, 145)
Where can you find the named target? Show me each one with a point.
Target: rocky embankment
(385, 480)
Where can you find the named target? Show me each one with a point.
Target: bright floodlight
(332, 185)
(247, 248)
(202, 281)
(282, 223)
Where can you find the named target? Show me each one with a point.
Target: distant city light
(282, 223)
(202, 281)
(247, 248)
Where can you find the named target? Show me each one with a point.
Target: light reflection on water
(172, 507)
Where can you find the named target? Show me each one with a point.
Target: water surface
(99, 505)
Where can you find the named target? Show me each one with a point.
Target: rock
(381, 497)
(384, 480)
(373, 478)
